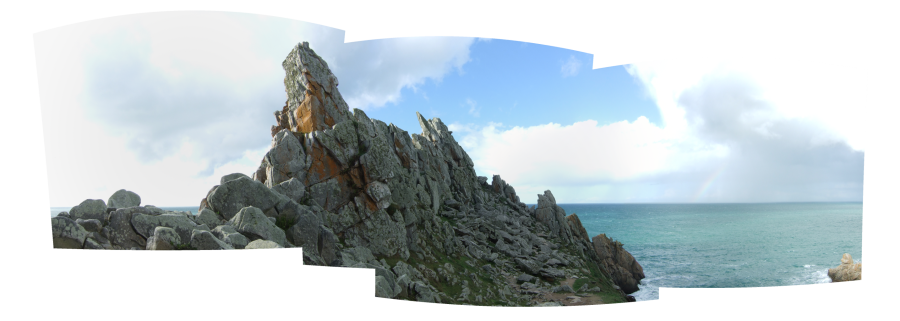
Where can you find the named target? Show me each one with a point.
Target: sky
(164, 104)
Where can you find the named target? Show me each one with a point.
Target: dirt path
(566, 299)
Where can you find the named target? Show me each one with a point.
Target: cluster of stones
(356, 192)
(846, 271)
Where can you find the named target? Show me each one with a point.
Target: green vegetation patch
(285, 222)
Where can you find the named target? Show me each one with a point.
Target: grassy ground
(484, 282)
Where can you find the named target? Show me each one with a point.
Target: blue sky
(166, 103)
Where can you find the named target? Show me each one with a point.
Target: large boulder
(251, 222)
(286, 159)
(145, 225)
(292, 188)
(209, 218)
(234, 195)
(262, 244)
(163, 238)
(121, 233)
(230, 236)
(380, 194)
(89, 209)
(305, 228)
(231, 177)
(204, 240)
(846, 271)
(65, 234)
(123, 199)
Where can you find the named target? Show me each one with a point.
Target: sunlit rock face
(846, 271)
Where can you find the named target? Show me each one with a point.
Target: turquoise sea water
(729, 245)
(721, 245)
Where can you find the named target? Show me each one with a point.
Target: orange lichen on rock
(323, 166)
(311, 114)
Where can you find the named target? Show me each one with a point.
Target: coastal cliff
(356, 192)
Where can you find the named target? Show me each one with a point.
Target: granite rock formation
(846, 271)
(357, 192)
(625, 271)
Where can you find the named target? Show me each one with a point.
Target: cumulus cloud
(582, 153)
(724, 139)
(168, 88)
(171, 87)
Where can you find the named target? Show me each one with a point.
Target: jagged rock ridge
(356, 192)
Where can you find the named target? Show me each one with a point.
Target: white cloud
(724, 139)
(581, 153)
(193, 92)
(372, 73)
(802, 82)
(151, 90)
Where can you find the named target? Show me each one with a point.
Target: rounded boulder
(124, 199)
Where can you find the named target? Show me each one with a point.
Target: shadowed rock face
(356, 192)
(625, 271)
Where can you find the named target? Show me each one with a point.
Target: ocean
(721, 245)
(729, 245)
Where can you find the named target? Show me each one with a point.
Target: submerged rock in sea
(846, 271)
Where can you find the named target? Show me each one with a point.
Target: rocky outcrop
(356, 192)
(625, 271)
(846, 271)
(313, 100)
